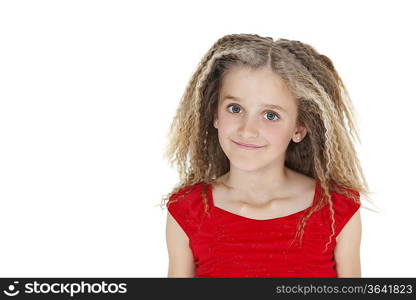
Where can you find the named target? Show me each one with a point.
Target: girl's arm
(181, 261)
(347, 250)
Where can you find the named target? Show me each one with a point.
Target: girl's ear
(300, 134)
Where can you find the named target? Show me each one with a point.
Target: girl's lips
(247, 146)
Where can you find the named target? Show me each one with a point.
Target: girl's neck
(256, 188)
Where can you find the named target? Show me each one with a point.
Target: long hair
(326, 153)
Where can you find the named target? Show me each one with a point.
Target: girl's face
(256, 107)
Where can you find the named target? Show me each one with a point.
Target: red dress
(230, 245)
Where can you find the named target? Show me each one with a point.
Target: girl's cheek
(226, 122)
(275, 136)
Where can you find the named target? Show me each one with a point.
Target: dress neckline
(292, 215)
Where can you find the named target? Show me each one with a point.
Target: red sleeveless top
(225, 244)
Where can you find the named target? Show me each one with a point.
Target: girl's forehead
(256, 87)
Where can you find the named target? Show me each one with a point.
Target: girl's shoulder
(187, 194)
(348, 198)
(186, 207)
(344, 207)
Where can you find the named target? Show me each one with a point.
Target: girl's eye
(233, 110)
(269, 114)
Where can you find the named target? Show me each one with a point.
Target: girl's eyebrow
(278, 107)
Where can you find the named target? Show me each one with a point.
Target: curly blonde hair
(326, 153)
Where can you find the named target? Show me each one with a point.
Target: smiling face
(256, 107)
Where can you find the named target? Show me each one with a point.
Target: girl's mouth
(248, 146)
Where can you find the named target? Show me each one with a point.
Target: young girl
(270, 181)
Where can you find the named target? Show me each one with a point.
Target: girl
(270, 182)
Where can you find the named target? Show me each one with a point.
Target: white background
(88, 90)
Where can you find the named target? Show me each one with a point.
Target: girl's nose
(248, 129)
